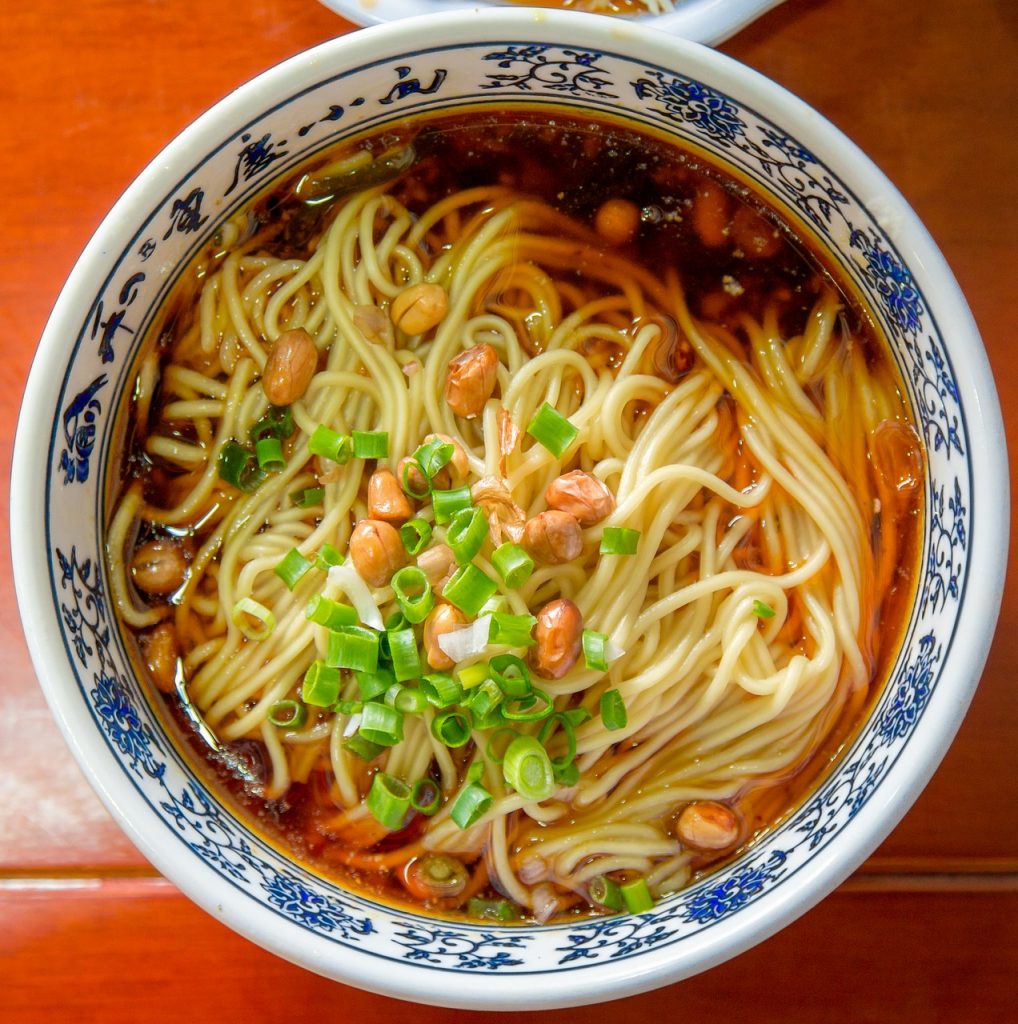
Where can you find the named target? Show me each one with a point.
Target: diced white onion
(346, 578)
(467, 641)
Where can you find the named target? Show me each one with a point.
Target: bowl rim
(959, 673)
(702, 21)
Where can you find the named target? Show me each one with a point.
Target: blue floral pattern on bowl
(731, 131)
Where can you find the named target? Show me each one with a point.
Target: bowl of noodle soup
(508, 491)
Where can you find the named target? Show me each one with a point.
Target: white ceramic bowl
(82, 368)
(702, 21)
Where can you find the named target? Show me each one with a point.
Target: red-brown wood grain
(928, 930)
(135, 951)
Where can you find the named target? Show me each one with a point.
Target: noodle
(746, 617)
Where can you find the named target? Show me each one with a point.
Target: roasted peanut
(617, 221)
(411, 479)
(583, 496)
(438, 563)
(161, 653)
(444, 618)
(419, 308)
(377, 551)
(553, 537)
(755, 236)
(292, 362)
(558, 634)
(159, 566)
(458, 463)
(707, 825)
(441, 481)
(710, 215)
(386, 500)
(470, 380)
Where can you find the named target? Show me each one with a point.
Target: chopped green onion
(384, 654)
(473, 800)
(475, 772)
(613, 710)
(397, 620)
(332, 614)
(568, 730)
(320, 686)
(468, 588)
(330, 445)
(491, 750)
(362, 748)
(513, 630)
(237, 466)
(410, 701)
(441, 690)
(388, 800)
(292, 568)
(466, 533)
(576, 716)
(522, 709)
(269, 453)
(551, 429)
(513, 564)
(447, 503)
(288, 714)
(619, 540)
(527, 768)
(413, 593)
(763, 611)
(348, 707)
(415, 535)
(327, 557)
(406, 658)
(605, 892)
(473, 675)
(370, 444)
(415, 492)
(483, 700)
(637, 896)
(233, 461)
(493, 910)
(425, 796)
(433, 456)
(277, 422)
(511, 675)
(308, 497)
(567, 775)
(595, 650)
(374, 684)
(492, 718)
(353, 647)
(246, 609)
(381, 724)
(453, 728)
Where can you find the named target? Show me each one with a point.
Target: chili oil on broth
(743, 273)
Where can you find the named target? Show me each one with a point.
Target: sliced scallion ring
(248, 609)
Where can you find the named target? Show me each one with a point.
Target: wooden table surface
(926, 931)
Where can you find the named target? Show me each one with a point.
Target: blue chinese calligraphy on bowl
(67, 441)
